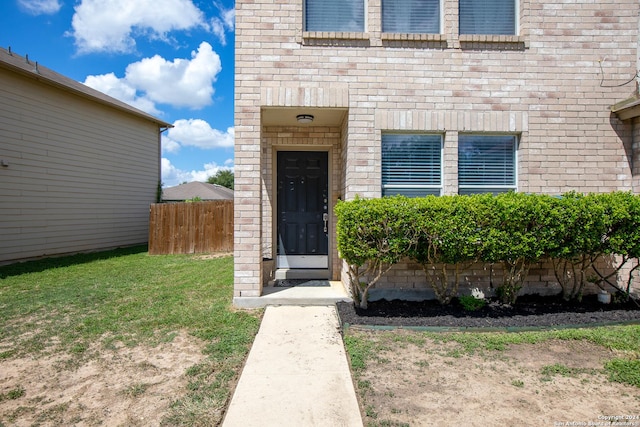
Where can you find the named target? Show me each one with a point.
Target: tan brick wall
(552, 84)
(407, 276)
(486, 277)
(634, 153)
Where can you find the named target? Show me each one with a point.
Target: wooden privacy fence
(187, 228)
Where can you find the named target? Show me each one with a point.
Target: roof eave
(39, 73)
(627, 109)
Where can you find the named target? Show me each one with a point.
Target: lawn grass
(70, 304)
(624, 339)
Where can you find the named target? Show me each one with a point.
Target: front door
(303, 194)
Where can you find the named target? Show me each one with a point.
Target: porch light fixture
(304, 118)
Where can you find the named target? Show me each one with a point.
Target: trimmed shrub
(622, 236)
(579, 242)
(448, 240)
(372, 236)
(518, 231)
(593, 227)
(446, 234)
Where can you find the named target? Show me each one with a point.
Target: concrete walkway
(296, 374)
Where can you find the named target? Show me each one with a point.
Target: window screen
(486, 163)
(411, 16)
(411, 164)
(334, 15)
(488, 17)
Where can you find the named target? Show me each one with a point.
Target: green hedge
(446, 234)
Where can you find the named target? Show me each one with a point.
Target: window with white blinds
(486, 163)
(411, 164)
(488, 17)
(334, 15)
(411, 16)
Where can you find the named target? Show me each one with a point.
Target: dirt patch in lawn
(132, 386)
(548, 384)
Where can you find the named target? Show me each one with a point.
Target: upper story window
(411, 164)
(486, 163)
(334, 15)
(411, 16)
(497, 17)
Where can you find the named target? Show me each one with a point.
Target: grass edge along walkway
(67, 305)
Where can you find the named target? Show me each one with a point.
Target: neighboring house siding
(545, 85)
(80, 175)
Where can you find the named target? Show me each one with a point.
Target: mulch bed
(529, 311)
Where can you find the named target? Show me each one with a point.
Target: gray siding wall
(80, 175)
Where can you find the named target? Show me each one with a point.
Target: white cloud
(170, 174)
(110, 25)
(40, 7)
(226, 22)
(122, 90)
(180, 83)
(173, 176)
(210, 169)
(169, 145)
(198, 133)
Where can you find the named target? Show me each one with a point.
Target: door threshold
(301, 273)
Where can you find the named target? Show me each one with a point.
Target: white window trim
(517, 17)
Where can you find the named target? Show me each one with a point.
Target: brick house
(338, 98)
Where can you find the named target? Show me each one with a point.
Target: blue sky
(170, 58)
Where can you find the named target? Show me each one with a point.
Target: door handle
(325, 218)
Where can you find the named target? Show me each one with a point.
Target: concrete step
(313, 292)
(299, 273)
